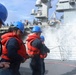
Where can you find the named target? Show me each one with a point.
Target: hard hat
(42, 38)
(36, 29)
(3, 13)
(19, 25)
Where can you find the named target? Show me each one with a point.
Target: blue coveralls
(37, 64)
(15, 58)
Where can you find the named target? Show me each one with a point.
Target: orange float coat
(5, 38)
(33, 50)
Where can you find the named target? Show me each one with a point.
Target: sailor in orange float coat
(14, 50)
(35, 48)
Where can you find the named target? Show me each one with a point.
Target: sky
(21, 9)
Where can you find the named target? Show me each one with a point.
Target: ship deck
(53, 67)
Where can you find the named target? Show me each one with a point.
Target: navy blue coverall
(36, 64)
(15, 58)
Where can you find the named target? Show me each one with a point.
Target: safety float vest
(43, 55)
(21, 51)
(31, 50)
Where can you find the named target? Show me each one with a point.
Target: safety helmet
(36, 29)
(3, 13)
(42, 38)
(19, 25)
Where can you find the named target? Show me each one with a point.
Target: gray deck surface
(53, 67)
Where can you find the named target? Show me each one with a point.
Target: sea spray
(61, 41)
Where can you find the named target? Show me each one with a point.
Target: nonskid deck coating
(53, 67)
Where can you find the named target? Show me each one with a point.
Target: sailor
(14, 50)
(3, 17)
(34, 49)
(43, 56)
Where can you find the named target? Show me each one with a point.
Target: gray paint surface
(53, 67)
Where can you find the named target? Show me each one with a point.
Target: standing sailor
(14, 50)
(35, 50)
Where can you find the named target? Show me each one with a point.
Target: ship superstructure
(69, 9)
(42, 12)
